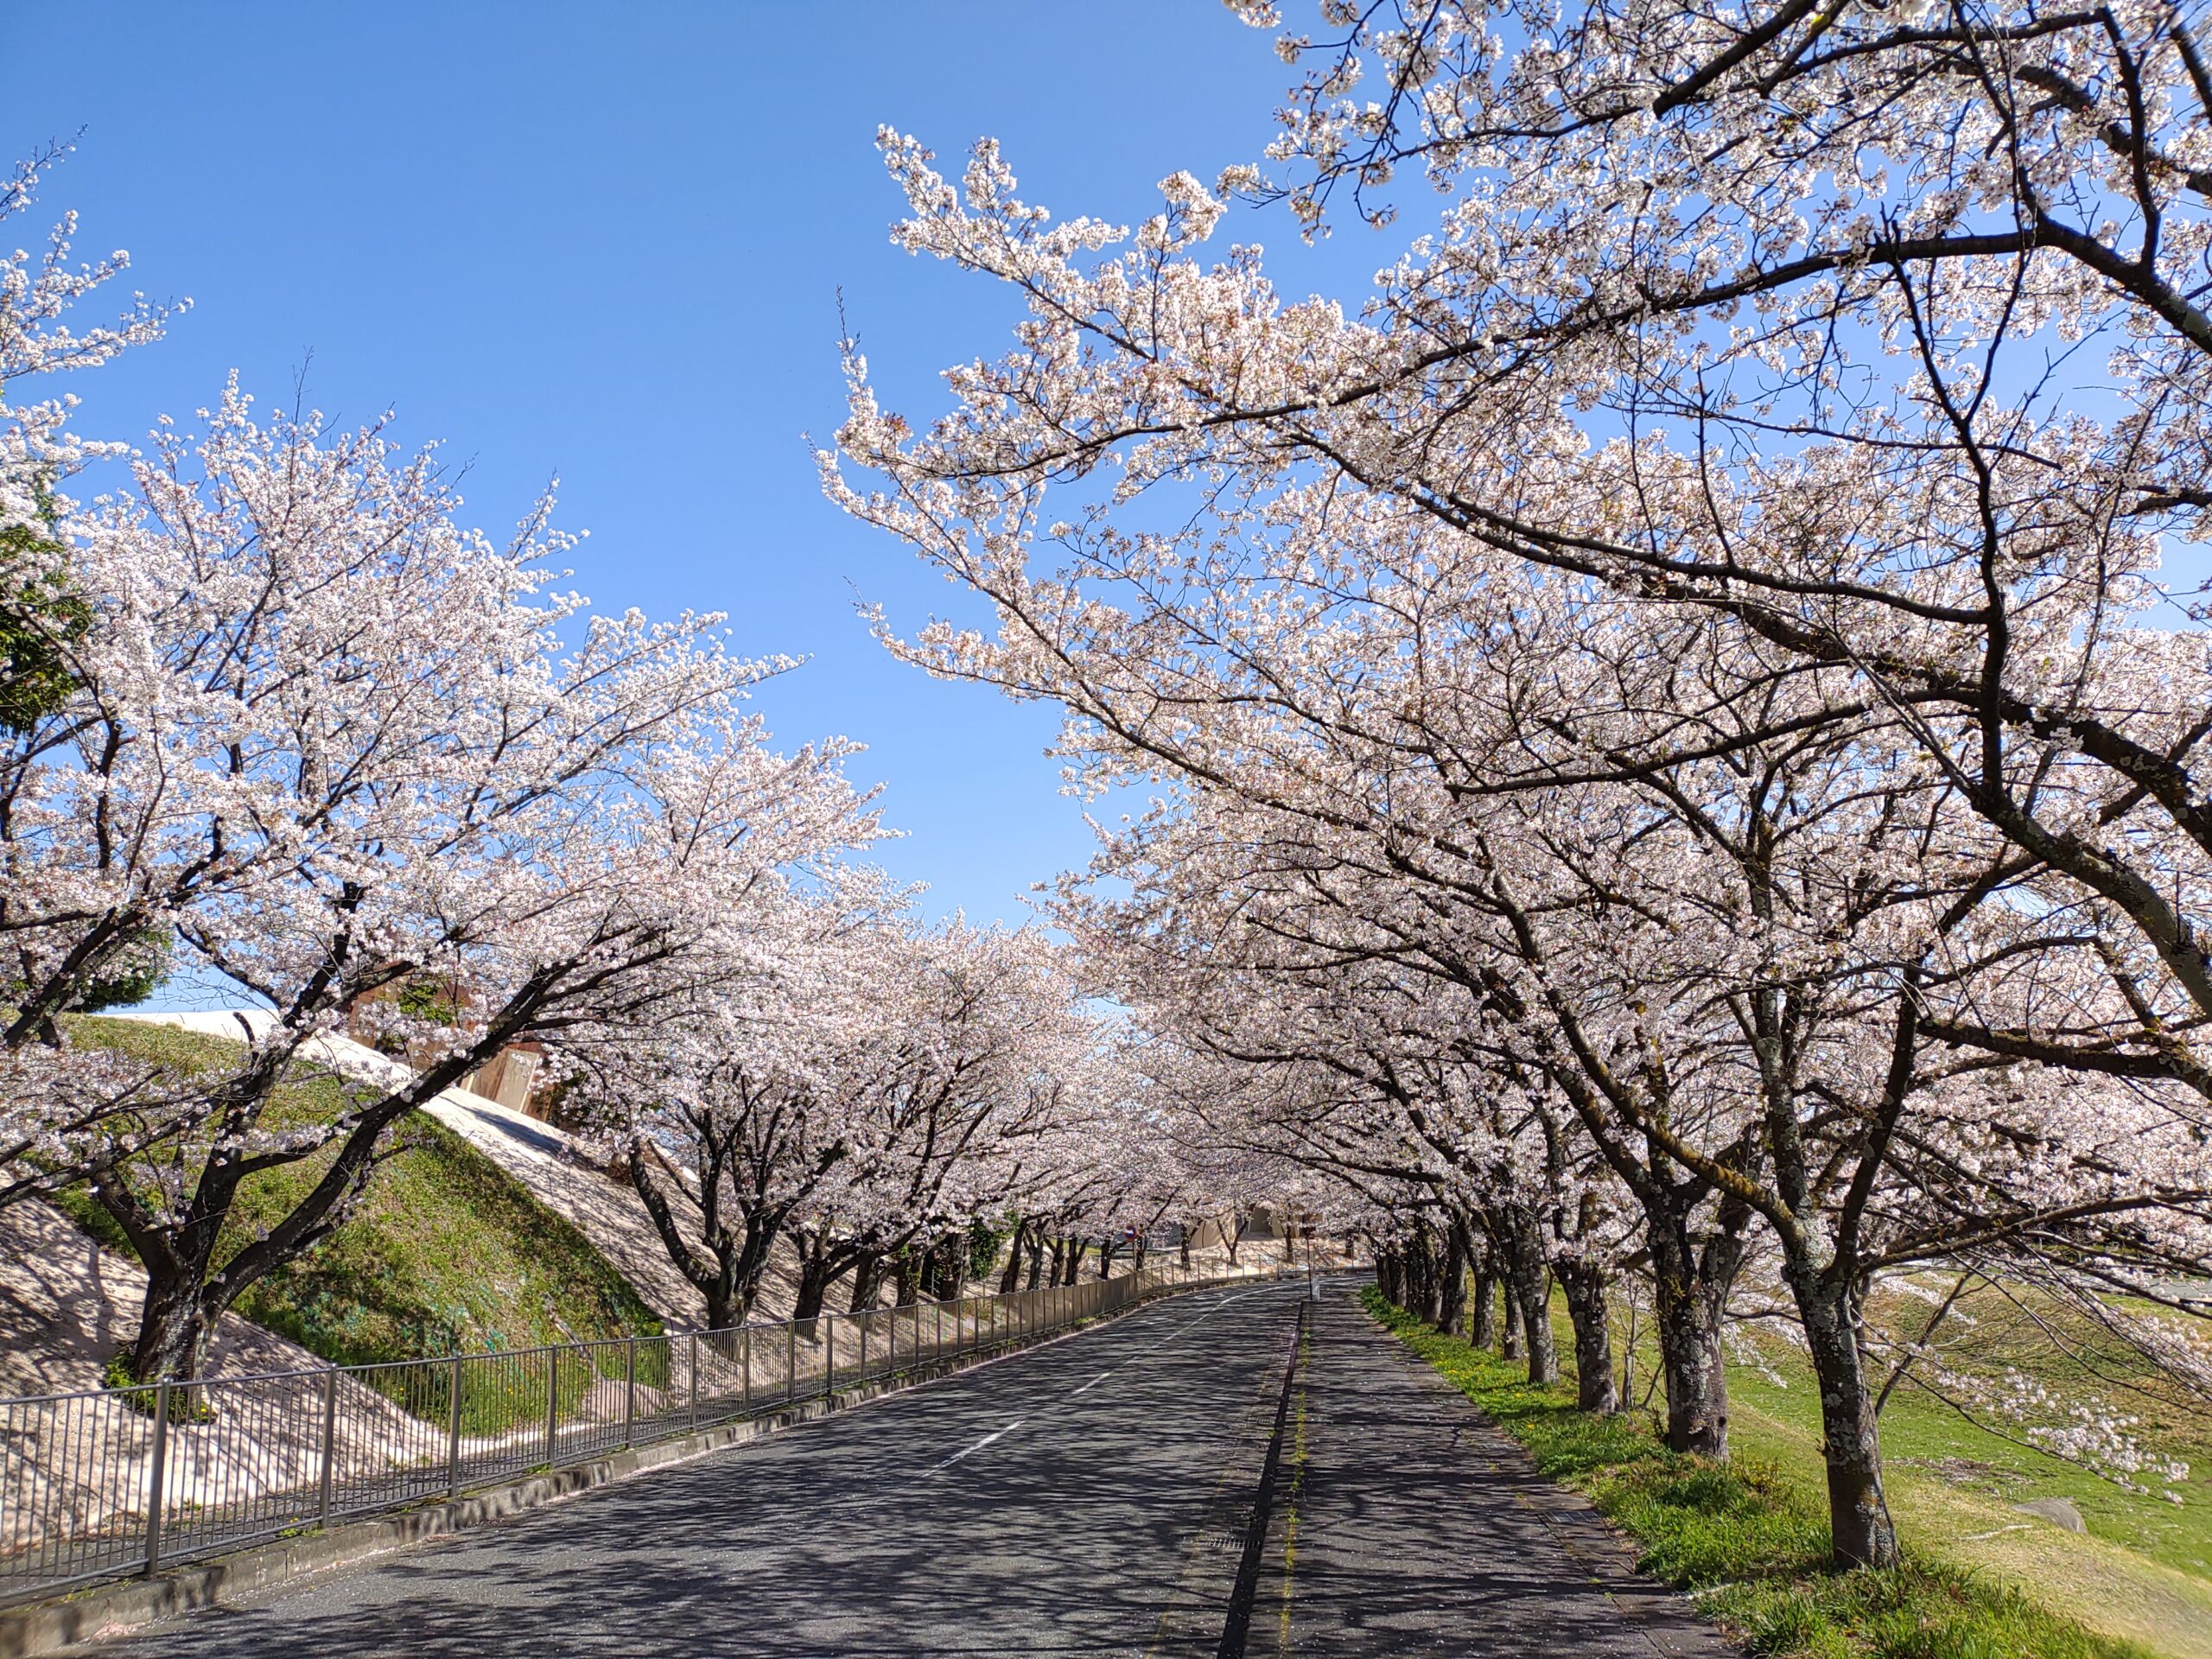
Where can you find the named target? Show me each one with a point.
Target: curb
(103, 1611)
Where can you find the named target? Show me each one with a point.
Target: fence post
(329, 1442)
(695, 1382)
(746, 1377)
(154, 1475)
(828, 1331)
(790, 1361)
(453, 1431)
(552, 1402)
(630, 1399)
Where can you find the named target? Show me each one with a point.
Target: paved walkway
(1408, 1526)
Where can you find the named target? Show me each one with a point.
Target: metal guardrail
(112, 1482)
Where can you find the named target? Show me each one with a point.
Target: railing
(116, 1481)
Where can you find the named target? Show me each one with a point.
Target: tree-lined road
(1088, 1496)
(1072, 1499)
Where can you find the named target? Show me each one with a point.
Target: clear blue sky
(607, 241)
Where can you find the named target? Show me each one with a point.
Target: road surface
(1088, 1496)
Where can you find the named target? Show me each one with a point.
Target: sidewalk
(1406, 1525)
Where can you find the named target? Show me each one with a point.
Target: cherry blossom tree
(1863, 772)
(63, 1115)
(333, 744)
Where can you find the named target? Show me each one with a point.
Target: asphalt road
(1085, 1497)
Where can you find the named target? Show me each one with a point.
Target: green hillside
(446, 1251)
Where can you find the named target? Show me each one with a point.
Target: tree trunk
(868, 1280)
(1010, 1281)
(1583, 1286)
(1688, 1317)
(949, 1268)
(1531, 1284)
(1484, 1330)
(1107, 1251)
(1510, 1347)
(726, 1307)
(174, 1325)
(1452, 1317)
(1859, 1513)
(1186, 1248)
(1390, 1278)
(817, 1273)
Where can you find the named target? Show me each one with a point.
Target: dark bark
(1530, 1279)
(1452, 1317)
(1686, 1306)
(868, 1280)
(1509, 1340)
(1010, 1280)
(948, 1268)
(724, 1264)
(1391, 1276)
(1483, 1332)
(1858, 1512)
(1583, 1287)
(821, 1264)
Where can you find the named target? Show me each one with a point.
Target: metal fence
(117, 1481)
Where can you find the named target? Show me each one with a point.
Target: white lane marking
(980, 1445)
(1167, 1341)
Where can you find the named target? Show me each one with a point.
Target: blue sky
(608, 242)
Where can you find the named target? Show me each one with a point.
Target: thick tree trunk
(1531, 1284)
(1010, 1280)
(1452, 1315)
(1106, 1252)
(1583, 1288)
(1483, 1332)
(949, 1268)
(1687, 1313)
(817, 1273)
(174, 1325)
(726, 1307)
(1185, 1247)
(868, 1280)
(1859, 1513)
(1510, 1343)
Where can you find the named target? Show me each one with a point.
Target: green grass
(1928, 1447)
(446, 1252)
(1748, 1538)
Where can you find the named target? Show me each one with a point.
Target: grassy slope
(1750, 1538)
(446, 1251)
(2144, 1568)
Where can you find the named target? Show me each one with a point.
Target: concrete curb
(105, 1611)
